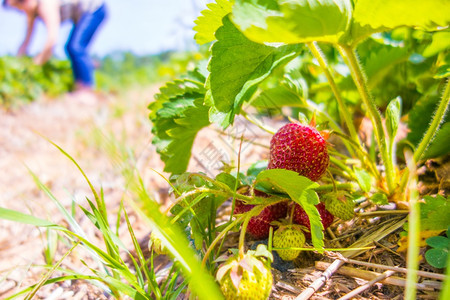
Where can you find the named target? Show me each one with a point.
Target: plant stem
(413, 230)
(207, 190)
(431, 131)
(242, 235)
(330, 187)
(361, 84)
(343, 167)
(219, 237)
(434, 126)
(317, 52)
(257, 123)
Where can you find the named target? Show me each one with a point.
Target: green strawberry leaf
(363, 178)
(435, 213)
(437, 257)
(292, 22)
(237, 65)
(301, 190)
(228, 179)
(210, 20)
(438, 242)
(390, 14)
(177, 115)
(439, 145)
(440, 42)
(276, 97)
(379, 199)
(443, 71)
(308, 201)
(418, 122)
(379, 59)
(257, 168)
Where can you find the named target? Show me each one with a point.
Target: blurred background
(139, 26)
(141, 42)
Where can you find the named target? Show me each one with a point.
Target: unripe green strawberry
(248, 277)
(155, 244)
(340, 205)
(289, 236)
(299, 148)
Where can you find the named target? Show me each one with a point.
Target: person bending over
(86, 15)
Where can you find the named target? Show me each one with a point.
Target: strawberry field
(301, 153)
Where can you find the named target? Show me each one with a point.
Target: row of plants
(22, 81)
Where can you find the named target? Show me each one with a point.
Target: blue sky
(141, 26)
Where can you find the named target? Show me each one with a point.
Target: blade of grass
(150, 277)
(54, 280)
(41, 282)
(100, 205)
(17, 216)
(67, 215)
(201, 282)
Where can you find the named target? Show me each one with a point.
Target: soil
(89, 128)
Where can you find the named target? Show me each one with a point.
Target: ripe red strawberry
(299, 148)
(300, 217)
(340, 205)
(289, 236)
(259, 226)
(249, 277)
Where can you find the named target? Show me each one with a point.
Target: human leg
(77, 45)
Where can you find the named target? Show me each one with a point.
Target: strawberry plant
(23, 81)
(373, 76)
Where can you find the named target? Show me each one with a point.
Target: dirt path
(80, 125)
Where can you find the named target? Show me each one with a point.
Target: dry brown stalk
(364, 287)
(369, 275)
(383, 230)
(317, 284)
(397, 269)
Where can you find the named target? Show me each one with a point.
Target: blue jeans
(76, 47)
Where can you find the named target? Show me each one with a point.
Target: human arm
(49, 12)
(31, 17)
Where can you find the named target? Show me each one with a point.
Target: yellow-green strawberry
(247, 277)
(155, 244)
(340, 205)
(288, 236)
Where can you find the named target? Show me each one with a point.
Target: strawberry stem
(236, 184)
(360, 80)
(242, 235)
(434, 126)
(219, 237)
(330, 187)
(317, 52)
(291, 214)
(431, 131)
(332, 181)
